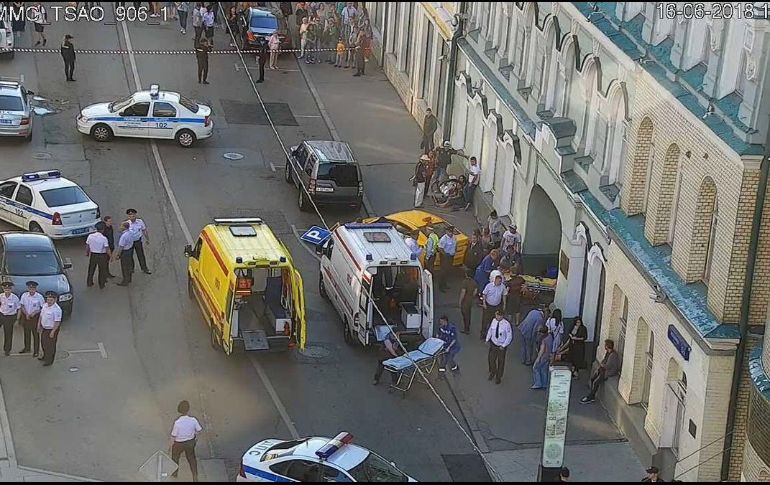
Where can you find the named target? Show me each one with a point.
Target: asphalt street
(101, 414)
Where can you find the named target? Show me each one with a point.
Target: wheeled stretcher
(405, 367)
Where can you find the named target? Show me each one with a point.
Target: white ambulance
(363, 265)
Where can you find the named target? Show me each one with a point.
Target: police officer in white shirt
(492, 300)
(447, 247)
(9, 312)
(29, 313)
(48, 327)
(99, 254)
(499, 337)
(139, 230)
(125, 253)
(183, 435)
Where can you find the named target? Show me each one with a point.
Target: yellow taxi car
(407, 221)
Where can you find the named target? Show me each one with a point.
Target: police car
(148, 114)
(49, 203)
(316, 460)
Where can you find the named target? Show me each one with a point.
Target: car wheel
(346, 333)
(101, 132)
(67, 313)
(35, 227)
(185, 138)
(28, 138)
(303, 202)
(190, 291)
(215, 341)
(322, 288)
(288, 173)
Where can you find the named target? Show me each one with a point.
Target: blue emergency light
(413, 257)
(333, 446)
(45, 174)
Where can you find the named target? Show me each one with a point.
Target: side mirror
(188, 250)
(67, 264)
(30, 93)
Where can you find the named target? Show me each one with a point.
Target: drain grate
(238, 112)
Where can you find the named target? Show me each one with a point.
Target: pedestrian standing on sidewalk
(418, 180)
(484, 269)
(331, 34)
(68, 55)
(183, 438)
(348, 18)
(556, 328)
(513, 301)
(30, 304)
(499, 336)
(447, 248)
(351, 43)
(262, 56)
(492, 302)
(48, 327)
(9, 313)
(183, 8)
(202, 57)
(340, 52)
(468, 292)
(98, 253)
(109, 233)
(233, 26)
(540, 375)
(431, 248)
(411, 243)
(474, 175)
(529, 328)
(40, 19)
(300, 14)
(138, 230)
(429, 127)
(285, 9)
(18, 22)
(577, 338)
(197, 21)
(304, 25)
(311, 36)
(125, 253)
(362, 47)
(275, 44)
(208, 26)
(448, 333)
(495, 228)
(474, 253)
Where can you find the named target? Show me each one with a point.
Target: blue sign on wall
(679, 342)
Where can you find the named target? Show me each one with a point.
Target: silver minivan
(6, 39)
(329, 172)
(15, 111)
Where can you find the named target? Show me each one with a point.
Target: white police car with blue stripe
(316, 460)
(49, 203)
(148, 114)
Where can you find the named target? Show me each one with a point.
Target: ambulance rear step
(255, 340)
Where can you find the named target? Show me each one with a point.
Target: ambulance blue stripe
(264, 474)
(151, 120)
(26, 208)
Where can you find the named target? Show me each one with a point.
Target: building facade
(626, 143)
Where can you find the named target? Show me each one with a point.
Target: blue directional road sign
(315, 235)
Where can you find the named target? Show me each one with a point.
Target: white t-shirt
(9, 305)
(97, 243)
(475, 171)
(136, 228)
(185, 428)
(49, 315)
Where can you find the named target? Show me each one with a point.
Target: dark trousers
(203, 70)
(496, 360)
(126, 265)
(466, 313)
(49, 345)
(102, 261)
(360, 63)
(430, 262)
(427, 143)
(261, 71)
(486, 318)
(182, 19)
(198, 33)
(445, 269)
(69, 68)
(30, 333)
(7, 321)
(596, 381)
(139, 250)
(188, 447)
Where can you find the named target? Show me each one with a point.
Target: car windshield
(64, 196)
(263, 22)
(343, 174)
(119, 105)
(32, 263)
(191, 105)
(374, 468)
(11, 103)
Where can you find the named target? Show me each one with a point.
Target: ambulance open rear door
(427, 304)
(298, 300)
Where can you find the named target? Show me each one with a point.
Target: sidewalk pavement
(506, 420)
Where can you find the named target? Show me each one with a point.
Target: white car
(49, 203)
(148, 114)
(6, 39)
(316, 460)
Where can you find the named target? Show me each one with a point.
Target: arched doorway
(594, 294)
(674, 407)
(542, 236)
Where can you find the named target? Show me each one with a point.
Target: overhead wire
(423, 376)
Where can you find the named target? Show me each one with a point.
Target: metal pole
(740, 356)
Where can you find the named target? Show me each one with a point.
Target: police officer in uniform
(202, 50)
(98, 252)
(109, 233)
(125, 253)
(139, 230)
(29, 314)
(9, 312)
(48, 327)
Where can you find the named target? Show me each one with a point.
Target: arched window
(566, 67)
(704, 231)
(549, 47)
(646, 383)
(590, 95)
(615, 142)
(623, 327)
(712, 238)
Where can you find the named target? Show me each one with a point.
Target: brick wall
(755, 469)
(760, 289)
(701, 231)
(635, 178)
(742, 417)
(661, 199)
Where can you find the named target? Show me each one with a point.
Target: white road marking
(274, 396)
(308, 116)
(102, 350)
(272, 167)
(303, 243)
(188, 237)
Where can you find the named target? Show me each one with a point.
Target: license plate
(81, 231)
(6, 122)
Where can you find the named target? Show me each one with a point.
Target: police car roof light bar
(374, 225)
(154, 90)
(42, 175)
(334, 445)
